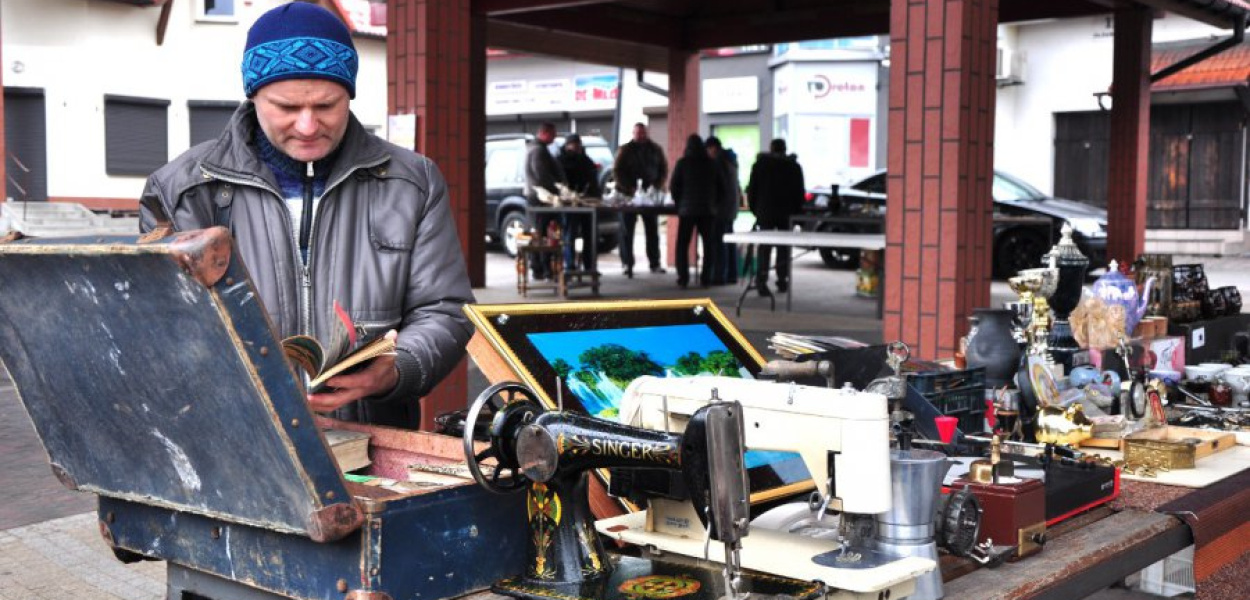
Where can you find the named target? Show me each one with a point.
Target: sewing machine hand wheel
(514, 404)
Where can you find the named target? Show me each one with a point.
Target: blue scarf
(291, 172)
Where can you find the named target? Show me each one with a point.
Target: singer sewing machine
(842, 437)
(548, 455)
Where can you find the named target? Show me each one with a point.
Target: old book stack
(350, 449)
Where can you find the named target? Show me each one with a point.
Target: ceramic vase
(1072, 266)
(991, 344)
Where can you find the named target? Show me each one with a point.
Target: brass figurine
(1063, 426)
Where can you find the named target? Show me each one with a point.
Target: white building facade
(1050, 74)
(92, 102)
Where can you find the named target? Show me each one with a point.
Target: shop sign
(848, 88)
(731, 94)
(592, 90)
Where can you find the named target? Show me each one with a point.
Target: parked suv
(1026, 221)
(505, 187)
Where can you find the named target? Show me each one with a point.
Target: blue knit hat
(299, 41)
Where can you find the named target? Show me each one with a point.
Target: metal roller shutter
(26, 144)
(136, 135)
(209, 118)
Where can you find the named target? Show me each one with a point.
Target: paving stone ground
(66, 558)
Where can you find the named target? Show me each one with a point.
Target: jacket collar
(235, 154)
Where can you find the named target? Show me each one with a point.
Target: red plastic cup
(946, 428)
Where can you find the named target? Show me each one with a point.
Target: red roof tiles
(1228, 68)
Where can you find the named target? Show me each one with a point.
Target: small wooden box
(1175, 447)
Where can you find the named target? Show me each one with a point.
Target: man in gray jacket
(323, 211)
(542, 170)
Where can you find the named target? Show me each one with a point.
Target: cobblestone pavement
(66, 558)
(29, 493)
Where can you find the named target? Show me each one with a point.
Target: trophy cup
(1072, 266)
(1035, 287)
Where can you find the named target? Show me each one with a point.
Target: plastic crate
(936, 382)
(959, 394)
(1172, 576)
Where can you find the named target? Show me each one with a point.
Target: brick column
(4, 150)
(1130, 135)
(683, 120)
(941, 152)
(436, 69)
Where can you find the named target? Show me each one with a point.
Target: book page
(381, 346)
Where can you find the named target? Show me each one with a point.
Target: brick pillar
(683, 120)
(941, 153)
(1130, 135)
(4, 151)
(436, 69)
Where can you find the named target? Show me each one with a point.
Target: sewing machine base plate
(644, 579)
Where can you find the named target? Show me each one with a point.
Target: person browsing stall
(775, 193)
(640, 161)
(583, 178)
(323, 211)
(697, 187)
(542, 171)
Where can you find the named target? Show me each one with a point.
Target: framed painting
(582, 355)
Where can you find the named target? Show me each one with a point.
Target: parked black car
(505, 187)
(1026, 222)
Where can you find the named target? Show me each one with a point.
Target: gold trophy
(1034, 286)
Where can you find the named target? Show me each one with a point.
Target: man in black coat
(583, 178)
(542, 170)
(640, 160)
(697, 188)
(775, 192)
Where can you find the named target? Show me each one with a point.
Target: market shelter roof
(1230, 68)
(638, 33)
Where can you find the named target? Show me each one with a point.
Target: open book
(341, 355)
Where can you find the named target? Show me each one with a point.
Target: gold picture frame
(528, 339)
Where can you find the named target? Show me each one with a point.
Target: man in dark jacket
(726, 268)
(542, 171)
(697, 187)
(775, 192)
(583, 178)
(640, 161)
(323, 211)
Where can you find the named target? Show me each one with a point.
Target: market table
(1103, 546)
(809, 239)
(590, 275)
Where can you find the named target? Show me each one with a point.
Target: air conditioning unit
(1007, 67)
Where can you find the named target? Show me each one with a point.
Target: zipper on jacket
(305, 288)
(305, 233)
(305, 216)
(303, 300)
(306, 299)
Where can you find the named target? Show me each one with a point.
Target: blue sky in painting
(663, 344)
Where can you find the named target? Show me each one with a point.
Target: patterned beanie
(299, 41)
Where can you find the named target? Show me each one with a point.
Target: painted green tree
(620, 364)
(690, 363)
(562, 368)
(720, 362)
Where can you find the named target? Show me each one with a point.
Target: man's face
(713, 152)
(305, 118)
(546, 136)
(640, 133)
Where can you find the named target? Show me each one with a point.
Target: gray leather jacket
(383, 244)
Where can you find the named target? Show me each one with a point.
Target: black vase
(1072, 267)
(991, 344)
